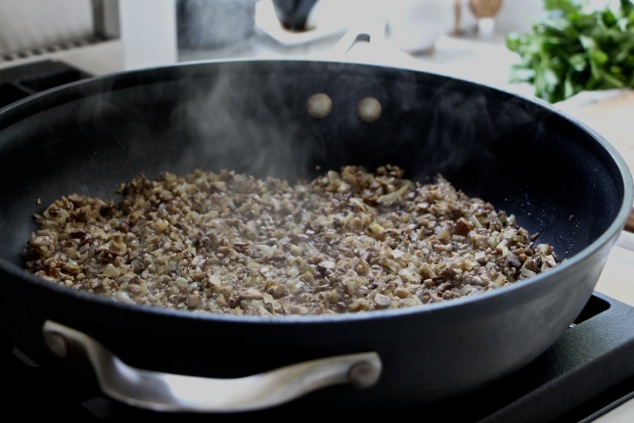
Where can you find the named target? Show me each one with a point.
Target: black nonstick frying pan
(557, 176)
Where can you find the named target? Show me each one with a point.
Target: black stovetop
(20, 81)
(587, 372)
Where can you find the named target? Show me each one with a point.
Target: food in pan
(346, 241)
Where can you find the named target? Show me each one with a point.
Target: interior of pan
(557, 178)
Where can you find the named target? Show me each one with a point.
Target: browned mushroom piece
(346, 241)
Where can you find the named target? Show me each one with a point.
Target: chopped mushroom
(347, 241)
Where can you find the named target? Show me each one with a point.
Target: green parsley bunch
(575, 48)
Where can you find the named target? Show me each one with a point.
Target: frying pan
(559, 178)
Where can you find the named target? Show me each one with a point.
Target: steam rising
(238, 126)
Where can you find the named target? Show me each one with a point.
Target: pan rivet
(369, 109)
(56, 343)
(319, 105)
(363, 374)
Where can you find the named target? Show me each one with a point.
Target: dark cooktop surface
(18, 82)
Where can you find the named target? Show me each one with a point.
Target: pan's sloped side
(558, 178)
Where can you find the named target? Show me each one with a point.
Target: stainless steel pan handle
(172, 392)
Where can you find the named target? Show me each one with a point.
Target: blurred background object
(485, 12)
(293, 14)
(507, 15)
(136, 33)
(29, 23)
(102, 36)
(98, 36)
(204, 24)
(576, 47)
(415, 25)
(485, 8)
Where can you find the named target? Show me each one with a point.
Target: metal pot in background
(203, 24)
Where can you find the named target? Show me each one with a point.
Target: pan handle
(171, 392)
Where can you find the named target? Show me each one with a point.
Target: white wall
(517, 15)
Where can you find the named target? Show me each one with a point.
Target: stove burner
(21, 81)
(587, 372)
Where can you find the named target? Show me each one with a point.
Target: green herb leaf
(573, 48)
